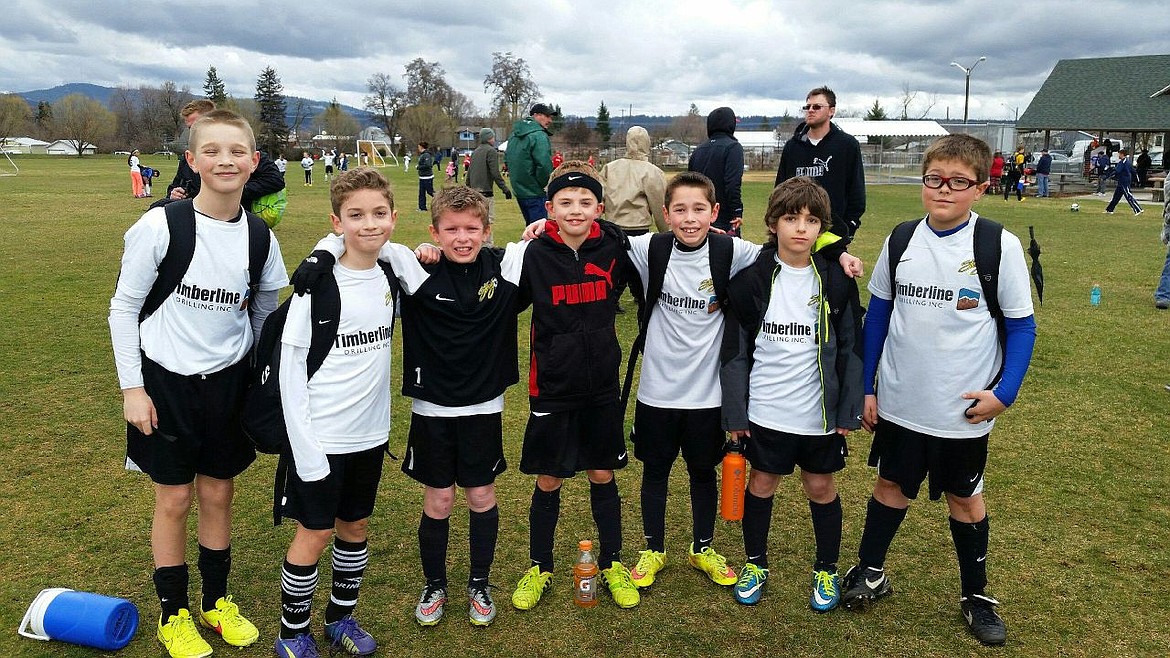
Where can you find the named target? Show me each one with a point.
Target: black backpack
(263, 413)
(180, 251)
(720, 250)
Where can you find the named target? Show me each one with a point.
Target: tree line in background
(424, 107)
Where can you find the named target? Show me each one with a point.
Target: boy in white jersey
(678, 399)
(792, 390)
(943, 375)
(183, 370)
(337, 445)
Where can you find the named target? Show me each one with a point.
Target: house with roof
(69, 147)
(1127, 97)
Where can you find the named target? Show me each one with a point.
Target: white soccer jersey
(942, 340)
(680, 367)
(345, 407)
(786, 387)
(203, 326)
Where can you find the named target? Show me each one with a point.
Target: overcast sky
(654, 56)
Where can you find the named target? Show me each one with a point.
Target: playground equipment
(374, 149)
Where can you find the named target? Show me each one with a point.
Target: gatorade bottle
(585, 576)
(734, 472)
(1095, 295)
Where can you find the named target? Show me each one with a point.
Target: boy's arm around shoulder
(847, 328)
(735, 363)
(265, 180)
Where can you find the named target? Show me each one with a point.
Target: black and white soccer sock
(171, 585)
(349, 564)
(826, 522)
(214, 566)
(298, 583)
(881, 524)
(757, 520)
(704, 493)
(482, 531)
(433, 535)
(971, 549)
(542, 525)
(606, 505)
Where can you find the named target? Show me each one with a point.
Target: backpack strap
(720, 250)
(657, 259)
(259, 242)
(174, 264)
(988, 250)
(899, 240)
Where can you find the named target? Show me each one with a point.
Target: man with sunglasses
(822, 151)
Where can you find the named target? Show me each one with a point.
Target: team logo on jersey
(968, 267)
(814, 300)
(488, 290)
(389, 298)
(707, 286)
(968, 299)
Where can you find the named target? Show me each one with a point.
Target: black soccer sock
(971, 548)
(214, 566)
(298, 583)
(655, 483)
(433, 535)
(171, 585)
(542, 525)
(881, 524)
(349, 564)
(826, 522)
(704, 493)
(607, 514)
(757, 519)
(483, 529)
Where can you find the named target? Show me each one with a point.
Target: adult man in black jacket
(720, 158)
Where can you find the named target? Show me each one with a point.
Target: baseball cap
(541, 108)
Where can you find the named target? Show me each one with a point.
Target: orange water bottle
(585, 576)
(734, 473)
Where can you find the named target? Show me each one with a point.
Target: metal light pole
(967, 89)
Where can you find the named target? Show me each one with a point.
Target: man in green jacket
(529, 160)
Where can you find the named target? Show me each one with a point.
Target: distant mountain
(104, 94)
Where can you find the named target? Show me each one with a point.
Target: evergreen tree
(558, 120)
(876, 113)
(213, 87)
(602, 128)
(764, 123)
(272, 108)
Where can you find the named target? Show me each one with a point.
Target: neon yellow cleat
(227, 621)
(712, 564)
(621, 587)
(180, 637)
(530, 588)
(649, 564)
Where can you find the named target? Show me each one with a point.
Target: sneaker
(1162, 304)
(1139, 212)
(481, 609)
(750, 586)
(181, 638)
(985, 624)
(301, 646)
(429, 610)
(863, 586)
(347, 635)
(530, 588)
(649, 564)
(621, 587)
(712, 564)
(227, 621)
(826, 591)
(1107, 212)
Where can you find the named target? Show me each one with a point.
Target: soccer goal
(377, 151)
(5, 171)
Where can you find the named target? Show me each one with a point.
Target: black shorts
(329, 169)
(905, 457)
(564, 443)
(659, 434)
(347, 493)
(773, 451)
(199, 430)
(464, 450)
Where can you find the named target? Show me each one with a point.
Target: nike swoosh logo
(621, 456)
(968, 616)
(574, 177)
(752, 590)
(873, 584)
(903, 260)
(540, 414)
(497, 465)
(975, 478)
(441, 298)
(434, 606)
(981, 559)
(821, 600)
(324, 321)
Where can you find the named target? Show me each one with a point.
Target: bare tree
(907, 99)
(426, 123)
(459, 107)
(337, 122)
(15, 116)
(690, 128)
(577, 134)
(82, 121)
(426, 83)
(512, 81)
(385, 102)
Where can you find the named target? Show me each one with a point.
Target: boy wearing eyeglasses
(830, 156)
(942, 376)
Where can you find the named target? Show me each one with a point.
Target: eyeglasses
(956, 183)
(815, 107)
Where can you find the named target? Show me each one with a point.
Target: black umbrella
(1037, 270)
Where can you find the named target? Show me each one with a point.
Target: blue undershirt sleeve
(877, 325)
(1020, 339)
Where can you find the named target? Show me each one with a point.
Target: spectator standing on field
(1142, 168)
(1162, 294)
(426, 175)
(1043, 170)
(484, 170)
(529, 160)
(720, 158)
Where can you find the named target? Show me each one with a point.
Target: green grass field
(1076, 484)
